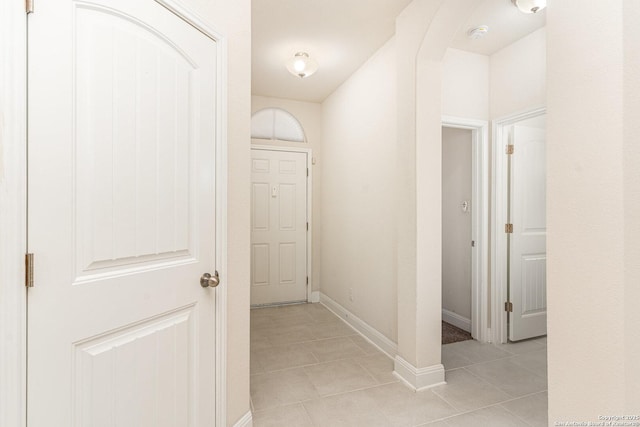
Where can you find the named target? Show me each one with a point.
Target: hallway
(308, 368)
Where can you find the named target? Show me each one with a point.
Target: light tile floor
(308, 368)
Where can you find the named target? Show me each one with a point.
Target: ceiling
(342, 34)
(506, 25)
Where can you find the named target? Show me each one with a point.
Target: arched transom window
(276, 124)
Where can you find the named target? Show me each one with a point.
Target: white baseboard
(456, 320)
(245, 421)
(383, 343)
(314, 297)
(418, 379)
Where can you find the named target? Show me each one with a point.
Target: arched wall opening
(424, 32)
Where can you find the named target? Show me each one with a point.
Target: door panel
(260, 262)
(121, 216)
(120, 377)
(527, 279)
(133, 150)
(287, 263)
(278, 229)
(287, 206)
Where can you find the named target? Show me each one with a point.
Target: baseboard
(245, 421)
(418, 379)
(314, 297)
(383, 343)
(456, 320)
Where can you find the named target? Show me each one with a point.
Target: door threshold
(278, 304)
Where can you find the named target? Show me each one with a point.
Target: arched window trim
(276, 124)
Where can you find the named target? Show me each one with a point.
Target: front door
(528, 255)
(122, 142)
(278, 227)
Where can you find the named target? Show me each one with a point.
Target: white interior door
(528, 254)
(122, 138)
(278, 227)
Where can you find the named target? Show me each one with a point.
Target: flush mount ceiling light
(530, 6)
(301, 65)
(478, 32)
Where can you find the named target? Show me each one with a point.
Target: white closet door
(528, 257)
(122, 138)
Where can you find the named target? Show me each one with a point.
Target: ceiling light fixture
(530, 6)
(301, 65)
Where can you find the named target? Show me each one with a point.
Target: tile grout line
(311, 340)
(511, 398)
(531, 370)
(482, 408)
(505, 359)
(306, 365)
(515, 415)
(372, 374)
(447, 402)
(306, 411)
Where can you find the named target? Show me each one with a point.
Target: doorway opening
(457, 241)
(465, 225)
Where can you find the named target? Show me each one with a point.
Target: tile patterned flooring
(308, 368)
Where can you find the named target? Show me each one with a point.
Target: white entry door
(122, 143)
(528, 257)
(278, 227)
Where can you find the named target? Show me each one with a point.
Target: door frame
(13, 209)
(309, 153)
(480, 221)
(499, 217)
(13, 213)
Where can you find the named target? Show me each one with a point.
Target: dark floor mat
(451, 334)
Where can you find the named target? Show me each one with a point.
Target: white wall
(309, 114)
(518, 76)
(465, 85)
(632, 204)
(456, 224)
(232, 18)
(593, 209)
(358, 214)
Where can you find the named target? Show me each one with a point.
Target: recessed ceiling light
(478, 32)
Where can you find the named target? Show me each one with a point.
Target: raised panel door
(278, 227)
(527, 279)
(122, 190)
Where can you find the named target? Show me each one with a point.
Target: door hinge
(508, 228)
(510, 149)
(307, 226)
(508, 307)
(28, 6)
(307, 280)
(473, 243)
(307, 171)
(28, 270)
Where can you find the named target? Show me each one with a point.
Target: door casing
(13, 213)
(480, 221)
(499, 217)
(13, 196)
(309, 153)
